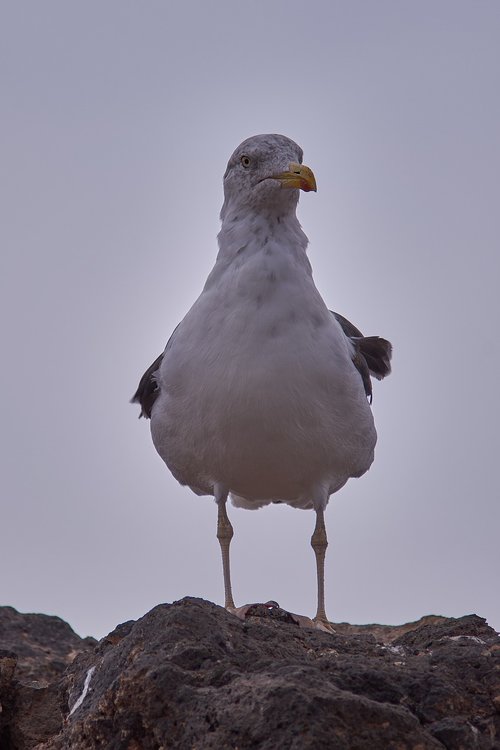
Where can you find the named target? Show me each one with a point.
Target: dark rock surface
(191, 676)
(35, 651)
(44, 645)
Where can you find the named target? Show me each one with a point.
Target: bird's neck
(256, 250)
(246, 230)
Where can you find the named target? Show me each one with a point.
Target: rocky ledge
(191, 676)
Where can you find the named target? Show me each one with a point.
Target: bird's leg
(224, 535)
(319, 543)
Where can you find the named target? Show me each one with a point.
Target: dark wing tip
(372, 354)
(147, 392)
(378, 354)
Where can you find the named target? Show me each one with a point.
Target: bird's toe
(272, 610)
(324, 625)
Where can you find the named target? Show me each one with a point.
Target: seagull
(262, 393)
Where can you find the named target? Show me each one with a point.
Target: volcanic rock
(191, 676)
(35, 651)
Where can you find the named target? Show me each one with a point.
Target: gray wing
(372, 354)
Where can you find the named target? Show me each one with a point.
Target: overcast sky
(117, 122)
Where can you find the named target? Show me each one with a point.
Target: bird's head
(265, 172)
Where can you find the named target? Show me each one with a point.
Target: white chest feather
(257, 387)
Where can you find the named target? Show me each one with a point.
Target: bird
(262, 393)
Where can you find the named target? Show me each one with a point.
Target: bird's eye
(245, 161)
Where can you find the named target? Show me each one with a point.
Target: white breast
(257, 388)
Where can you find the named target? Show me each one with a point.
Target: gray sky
(117, 122)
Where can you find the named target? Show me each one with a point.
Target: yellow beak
(297, 176)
